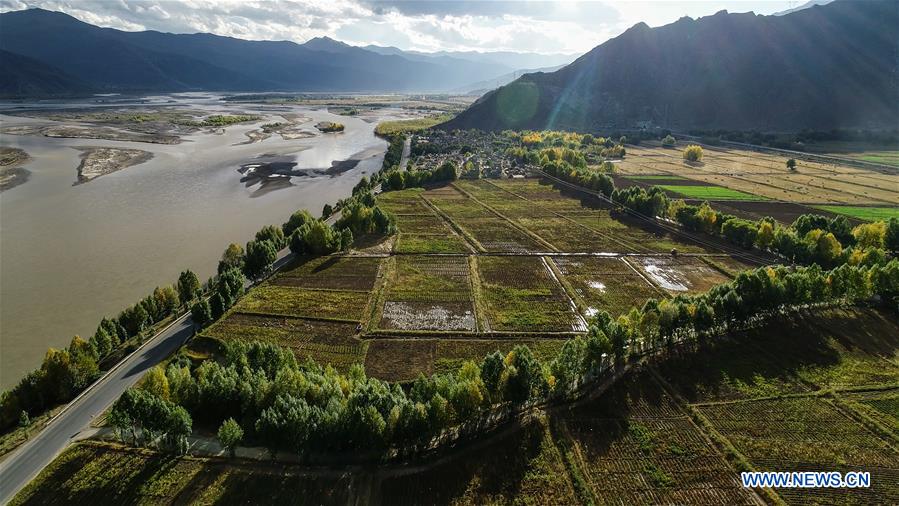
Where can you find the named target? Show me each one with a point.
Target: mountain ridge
(706, 73)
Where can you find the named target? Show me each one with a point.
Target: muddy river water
(70, 254)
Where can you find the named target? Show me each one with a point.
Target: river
(70, 254)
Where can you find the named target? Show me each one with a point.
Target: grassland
(709, 192)
(864, 213)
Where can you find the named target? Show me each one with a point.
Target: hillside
(115, 60)
(20, 76)
(731, 71)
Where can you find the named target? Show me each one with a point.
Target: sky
(437, 25)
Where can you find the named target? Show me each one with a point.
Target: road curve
(24, 463)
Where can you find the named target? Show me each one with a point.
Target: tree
(327, 211)
(188, 287)
(297, 220)
(232, 258)
(791, 164)
(260, 257)
(891, 238)
(272, 234)
(230, 433)
(201, 312)
(669, 141)
(156, 383)
(166, 300)
(870, 235)
(693, 153)
(346, 239)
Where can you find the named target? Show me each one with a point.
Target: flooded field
(72, 253)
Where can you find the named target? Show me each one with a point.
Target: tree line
(66, 372)
(286, 405)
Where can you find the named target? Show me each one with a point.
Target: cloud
(500, 25)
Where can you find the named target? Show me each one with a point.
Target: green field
(709, 192)
(864, 213)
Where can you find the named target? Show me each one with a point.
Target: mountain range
(821, 67)
(110, 60)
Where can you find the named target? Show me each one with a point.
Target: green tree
(327, 211)
(201, 312)
(230, 434)
(272, 234)
(669, 141)
(297, 220)
(188, 286)
(232, 258)
(259, 259)
(791, 164)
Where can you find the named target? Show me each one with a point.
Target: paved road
(28, 460)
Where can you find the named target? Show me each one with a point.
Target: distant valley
(44, 53)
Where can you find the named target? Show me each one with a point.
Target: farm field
(847, 354)
(314, 307)
(97, 473)
(429, 293)
(521, 294)
(864, 213)
(766, 175)
(679, 274)
(809, 433)
(524, 467)
(710, 192)
(419, 228)
(636, 445)
(606, 284)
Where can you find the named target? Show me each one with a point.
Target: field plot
(805, 434)
(636, 446)
(766, 175)
(91, 473)
(631, 236)
(864, 213)
(524, 467)
(522, 295)
(291, 301)
(285, 331)
(420, 229)
(429, 293)
(680, 274)
(883, 406)
(708, 192)
(452, 353)
(400, 359)
(491, 232)
(783, 212)
(605, 284)
(332, 273)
